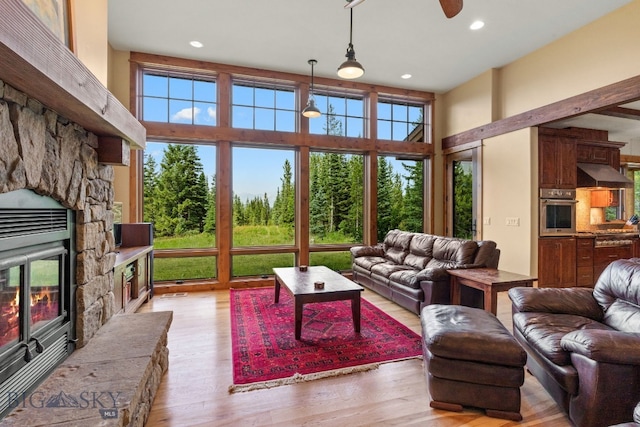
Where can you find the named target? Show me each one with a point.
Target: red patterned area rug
(266, 354)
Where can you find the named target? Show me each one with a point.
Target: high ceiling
(390, 38)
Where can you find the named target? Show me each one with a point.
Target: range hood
(598, 175)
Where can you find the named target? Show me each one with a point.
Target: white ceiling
(390, 37)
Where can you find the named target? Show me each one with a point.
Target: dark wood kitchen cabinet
(556, 262)
(608, 154)
(593, 154)
(603, 256)
(584, 262)
(557, 162)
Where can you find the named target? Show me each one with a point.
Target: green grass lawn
(204, 267)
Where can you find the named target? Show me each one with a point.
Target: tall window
(263, 208)
(179, 193)
(265, 107)
(463, 199)
(401, 121)
(400, 195)
(335, 198)
(463, 207)
(173, 99)
(252, 203)
(342, 115)
(263, 197)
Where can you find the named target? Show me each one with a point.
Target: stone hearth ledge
(112, 381)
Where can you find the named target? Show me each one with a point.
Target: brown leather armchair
(583, 344)
(636, 419)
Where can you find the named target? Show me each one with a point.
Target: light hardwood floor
(194, 391)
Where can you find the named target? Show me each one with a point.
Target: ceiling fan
(450, 7)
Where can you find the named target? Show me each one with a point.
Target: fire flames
(44, 306)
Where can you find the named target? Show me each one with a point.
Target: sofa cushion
(485, 254)
(451, 253)
(406, 278)
(544, 332)
(367, 262)
(396, 245)
(412, 278)
(385, 269)
(576, 301)
(358, 251)
(618, 293)
(420, 251)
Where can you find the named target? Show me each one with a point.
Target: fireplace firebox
(36, 276)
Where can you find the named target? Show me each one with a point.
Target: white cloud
(186, 114)
(212, 112)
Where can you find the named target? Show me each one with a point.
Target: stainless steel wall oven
(557, 212)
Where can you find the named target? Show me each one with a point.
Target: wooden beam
(174, 132)
(603, 98)
(37, 63)
(621, 112)
(113, 151)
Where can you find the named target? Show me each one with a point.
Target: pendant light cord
(351, 29)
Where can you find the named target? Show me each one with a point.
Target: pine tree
(238, 211)
(385, 219)
(287, 211)
(149, 188)
(267, 210)
(353, 222)
(397, 200)
(462, 202)
(210, 218)
(414, 198)
(318, 212)
(181, 191)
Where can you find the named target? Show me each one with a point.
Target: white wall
(509, 191)
(90, 25)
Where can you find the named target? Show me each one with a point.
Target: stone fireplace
(56, 159)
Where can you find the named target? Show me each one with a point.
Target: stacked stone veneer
(44, 152)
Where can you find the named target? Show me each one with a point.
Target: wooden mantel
(35, 62)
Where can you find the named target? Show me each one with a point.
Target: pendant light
(350, 69)
(311, 111)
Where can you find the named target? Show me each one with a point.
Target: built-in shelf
(140, 259)
(37, 63)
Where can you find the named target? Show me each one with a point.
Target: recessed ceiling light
(476, 25)
(406, 76)
(196, 43)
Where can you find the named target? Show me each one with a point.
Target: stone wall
(44, 152)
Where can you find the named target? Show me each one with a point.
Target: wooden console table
(489, 280)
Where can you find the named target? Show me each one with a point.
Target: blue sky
(255, 171)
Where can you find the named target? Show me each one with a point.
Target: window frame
(225, 137)
(193, 77)
(257, 84)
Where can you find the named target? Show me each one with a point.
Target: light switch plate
(513, 221)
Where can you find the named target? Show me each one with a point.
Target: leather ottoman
(471, 359)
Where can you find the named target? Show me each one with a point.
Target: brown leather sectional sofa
(411, 268)
(584, 344)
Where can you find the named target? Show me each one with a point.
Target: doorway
(463, 194)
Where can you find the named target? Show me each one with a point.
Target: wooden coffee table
(300, 285)
(489, 280)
